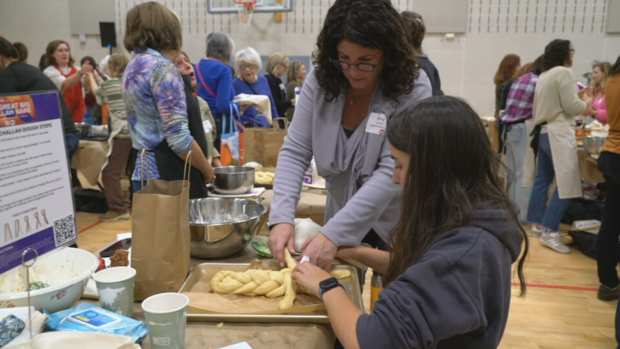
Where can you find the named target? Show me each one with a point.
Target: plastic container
(377, 284)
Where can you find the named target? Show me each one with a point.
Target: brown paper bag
(263, 145)
(160, 250)
(253, 142)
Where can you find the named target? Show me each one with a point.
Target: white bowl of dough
(65, 272)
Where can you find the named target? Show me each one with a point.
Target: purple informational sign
(36, 201)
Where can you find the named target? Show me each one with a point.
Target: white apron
(557, 104)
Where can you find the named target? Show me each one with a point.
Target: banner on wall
(36, 202)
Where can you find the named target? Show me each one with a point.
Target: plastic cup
(166, 315)
(115, 288)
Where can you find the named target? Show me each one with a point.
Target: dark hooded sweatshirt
(456, 296)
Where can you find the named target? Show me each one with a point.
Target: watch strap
(323, 290)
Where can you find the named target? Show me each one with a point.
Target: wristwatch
(328, 284)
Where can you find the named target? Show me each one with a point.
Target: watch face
(329, 283)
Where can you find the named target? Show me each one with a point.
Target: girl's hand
(216, 162)
(310, 276)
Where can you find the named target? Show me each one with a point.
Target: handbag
(231, 146)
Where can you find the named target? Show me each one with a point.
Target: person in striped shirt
(109, 92)
(519, 106)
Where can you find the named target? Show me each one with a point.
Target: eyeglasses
(364, 67)
(248, 66)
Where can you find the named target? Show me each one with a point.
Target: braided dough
(268, 283)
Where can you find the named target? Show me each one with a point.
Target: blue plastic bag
(128, 327)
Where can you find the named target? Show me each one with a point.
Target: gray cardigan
(358, 171)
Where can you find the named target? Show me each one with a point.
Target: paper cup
(115, 289)
(166, 314)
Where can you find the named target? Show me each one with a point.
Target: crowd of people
(539, 106)
(425, 185)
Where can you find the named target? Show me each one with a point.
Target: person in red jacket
(67, 77)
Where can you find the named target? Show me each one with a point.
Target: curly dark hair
(373, 24)
(557, 53)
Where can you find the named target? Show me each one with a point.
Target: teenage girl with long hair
(449, 265)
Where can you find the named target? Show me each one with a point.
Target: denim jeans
(550, 217)
(607, 239)
(72, 143)
(516, 145)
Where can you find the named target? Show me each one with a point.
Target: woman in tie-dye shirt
(153, 93)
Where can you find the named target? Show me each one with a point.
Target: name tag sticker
(207, 126)
(377, 124)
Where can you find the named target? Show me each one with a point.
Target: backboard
(229, 6)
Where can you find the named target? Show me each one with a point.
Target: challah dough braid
(268, 283)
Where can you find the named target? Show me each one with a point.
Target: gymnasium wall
(466, 64)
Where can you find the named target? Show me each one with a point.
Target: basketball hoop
(246, 9)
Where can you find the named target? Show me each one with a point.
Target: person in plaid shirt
(519, 107)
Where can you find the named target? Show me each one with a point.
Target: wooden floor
(559, 311)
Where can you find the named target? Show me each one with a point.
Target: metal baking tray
(351, 285)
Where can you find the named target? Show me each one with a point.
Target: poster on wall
(36, 202)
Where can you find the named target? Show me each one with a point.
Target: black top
(348, 132)
(505, 93)
(21, 77)
(279, 94)
(170, 165)
(433, 74)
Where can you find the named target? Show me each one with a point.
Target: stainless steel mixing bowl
(233, 180)
(593, 145)
(220, 227)
(84, 128)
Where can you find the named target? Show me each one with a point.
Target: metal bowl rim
(238, 170)
(263, 210)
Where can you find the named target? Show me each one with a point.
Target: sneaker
(112, 216)
(554, 242)
(608, 294)
(536, 231)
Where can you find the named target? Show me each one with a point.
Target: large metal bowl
(593, 145)
(233, 180)
(220, 227)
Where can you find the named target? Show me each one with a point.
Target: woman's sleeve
(423, 306)
(294, 158)
(274, 110)
(55, 76)
(276, 93)
(290, 90)
(224, 90)
(602, 110)
(353, 221)
(569, 98)
(169, 94)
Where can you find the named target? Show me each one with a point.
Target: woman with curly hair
(364, 70)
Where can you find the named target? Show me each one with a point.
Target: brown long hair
(452, 173)
(153, 25)
(293, 70)
(604, 67)
(51, 48)
(507, 68)
(15, 50)
(415, 28)
(374, 24)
